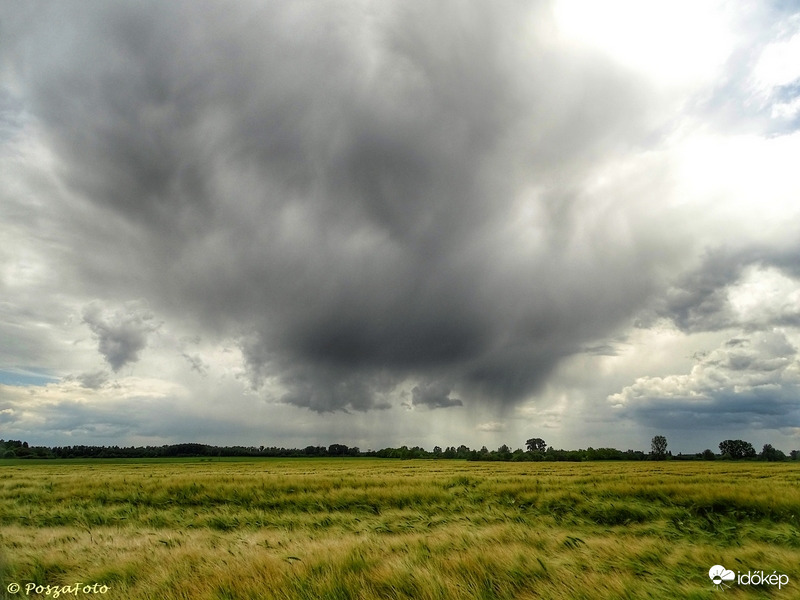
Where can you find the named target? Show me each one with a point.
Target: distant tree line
(535, 450)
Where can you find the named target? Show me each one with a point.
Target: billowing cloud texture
(361, 209)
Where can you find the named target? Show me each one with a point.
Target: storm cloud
(350, 207)
(372, 193)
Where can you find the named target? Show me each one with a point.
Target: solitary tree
(658, 447)
(536, 445)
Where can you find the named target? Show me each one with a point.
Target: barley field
(387, 529)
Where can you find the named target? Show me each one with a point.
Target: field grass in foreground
(365, 528)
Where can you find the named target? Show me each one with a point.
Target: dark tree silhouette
(536, 445)
(737, 449)
(658, 447)
(772, 454)
(708, 454)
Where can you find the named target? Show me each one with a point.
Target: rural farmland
(371, 528)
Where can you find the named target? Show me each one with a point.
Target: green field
(368, 528)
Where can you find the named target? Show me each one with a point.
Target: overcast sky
(386, 223)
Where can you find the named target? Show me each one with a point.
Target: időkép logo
(720, 576)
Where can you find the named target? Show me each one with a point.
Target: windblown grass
(363, 529)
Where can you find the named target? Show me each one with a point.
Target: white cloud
(786, 110)
(739, 188)
(676, 42)
(778, 65)
(69, 410)
(765, 297)
(751, 380)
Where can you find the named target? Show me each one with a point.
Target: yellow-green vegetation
(367, 528)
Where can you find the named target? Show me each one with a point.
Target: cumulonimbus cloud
(362, 198)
